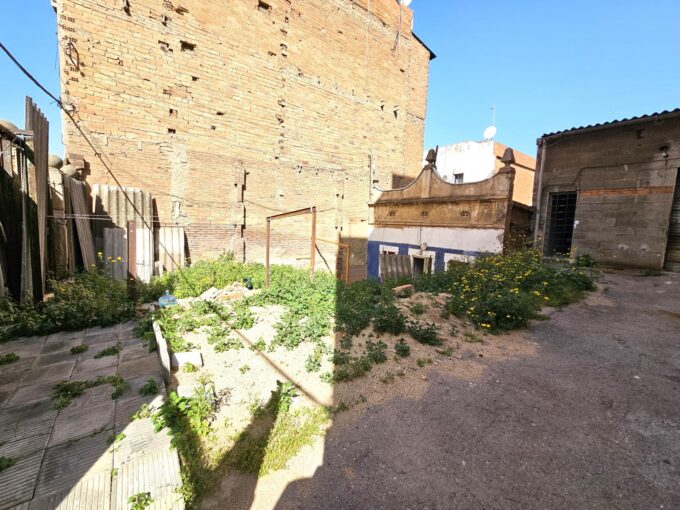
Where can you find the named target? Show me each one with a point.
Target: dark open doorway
(562, 209)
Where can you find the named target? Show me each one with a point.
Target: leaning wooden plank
(82, 220)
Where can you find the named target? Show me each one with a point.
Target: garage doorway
(562, 207)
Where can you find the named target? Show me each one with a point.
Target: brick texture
(229, 112)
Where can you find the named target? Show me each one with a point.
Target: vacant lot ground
(587, 417)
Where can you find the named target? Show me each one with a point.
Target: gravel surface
(589, 418)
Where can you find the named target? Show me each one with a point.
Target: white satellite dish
(490, 132)
(406, 3)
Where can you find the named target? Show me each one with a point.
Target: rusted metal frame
(298, 212)
(347, 248)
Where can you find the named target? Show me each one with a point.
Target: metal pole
(313, 255)
(132, 259)
(266, 258)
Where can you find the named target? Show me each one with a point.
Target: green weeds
(64, 392)
(79, 349)
(8, 358)
(112, 350)
(140, 501)
(6, 463)
(149, 388)
(402, 348)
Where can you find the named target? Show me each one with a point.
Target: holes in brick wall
(187, 46)
(165, 46)
(194, 78)
(263, 6)
(172, 131)
(167, 92)
(165, 20)
(172, 112)
(284, 50)
(395, 111)
(181, 10)
(382, 105)
(220, 113)
(213, 128)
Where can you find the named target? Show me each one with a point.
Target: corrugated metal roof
(613, 122)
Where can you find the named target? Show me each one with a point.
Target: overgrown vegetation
(8, 358)
(402, 348)
(82, 300)
(78, 349)
(111, 350)
(64, 392)
(149, 388)
(504, 292)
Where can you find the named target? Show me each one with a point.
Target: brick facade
(229, 112)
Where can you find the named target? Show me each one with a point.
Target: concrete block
(180, 359)
(404, 290)
(163, 352)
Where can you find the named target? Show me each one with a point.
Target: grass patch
(402, 349)
(422, 362)
(6, 463)
(150, 388)
(79, 349)
(112, 350)
(472, 338)
(418, 309)
(64, 392)
(189, 368)
(8, 358)
(387, 378)
(447, 353)
(427, 334)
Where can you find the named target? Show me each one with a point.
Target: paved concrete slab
(64, 458)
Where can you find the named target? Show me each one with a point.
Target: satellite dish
(406, 3)
(490, 132)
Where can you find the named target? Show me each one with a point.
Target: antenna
(491, 131)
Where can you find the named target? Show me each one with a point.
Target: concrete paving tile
(50, 374)
(97, 330)
(128, 334)
(31, 393)
(17, 481)
(143, 366)
(22, 506)
(80, 420)
(128, 326)
(27, 420)
(157, 473)
(126, 407)
(54, 358)
(92, 492)
(25, 446)
(93, 349)
(136, 383)
(133, 352)
(23, 345)
(140, 440)
(59, 346)
(67, 464)
(65, 335)
(101, 338)
(90, 368)
(21, 365)
(5, 394)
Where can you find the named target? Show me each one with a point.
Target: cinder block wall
(625, 189)
(300, 96)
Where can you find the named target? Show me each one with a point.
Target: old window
(457, 178)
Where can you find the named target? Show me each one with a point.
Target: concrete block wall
(625, 188)
(303, 96)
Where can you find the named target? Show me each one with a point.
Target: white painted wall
(475, 160)
(456, 238)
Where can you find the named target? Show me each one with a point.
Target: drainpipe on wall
(543, 152)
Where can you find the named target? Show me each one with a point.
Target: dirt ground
(579, 411)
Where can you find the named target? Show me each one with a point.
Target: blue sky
(546, 66)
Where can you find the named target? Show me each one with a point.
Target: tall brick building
(229, 112)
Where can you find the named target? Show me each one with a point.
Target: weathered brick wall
(625, 189)
(300, 96)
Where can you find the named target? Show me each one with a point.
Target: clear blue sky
(546, 66)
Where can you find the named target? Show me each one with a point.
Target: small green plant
(6, 463)
(421, 362)
(418, 309)
(375, 351)
(8, 358)
(78, 349)
(116, 440)
(585, 260)
(150, 387)
(401, 372)
(140, 501)
(425, 334)
(402, 349)
(114, 472)
(244, 368)
(144, 411)
(189, 368)
(445, 314)
(453, 331)
(447, 353)
(64, 392)
(357, 367)
(346, 342)
(340, 357)
(326, 377)
(472, 338)
(260, 345)
(339, 408)
(112, 350)
(388, 319)
(313, 362)
(387, 378)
